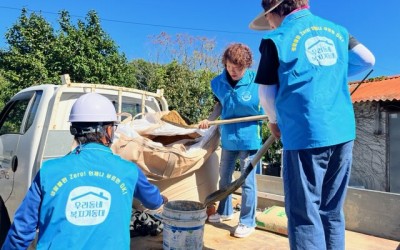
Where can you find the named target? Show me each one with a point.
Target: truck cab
(34, 127)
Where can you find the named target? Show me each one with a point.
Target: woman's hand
(204, 124)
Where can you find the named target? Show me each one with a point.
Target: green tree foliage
(38, 54)
(88, 54)
(25, 62)
(187, 91)
(5, 90)
(145, 74)
(274, 152)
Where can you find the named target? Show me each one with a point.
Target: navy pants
(315, 185)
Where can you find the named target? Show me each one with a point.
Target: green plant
(274, 153)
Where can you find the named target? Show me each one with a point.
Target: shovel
(224, 192)
(175, 119)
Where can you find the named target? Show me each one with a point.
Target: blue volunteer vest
(240, 101)
(313, 103)
(88, 194)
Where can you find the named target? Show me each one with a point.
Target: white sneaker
(243, 231)
(218, 218)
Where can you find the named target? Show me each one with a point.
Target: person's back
(84, 195)
(302, 74)
(84, 199)
(313, 91)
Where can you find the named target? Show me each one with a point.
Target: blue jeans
(315, 183)
(249, 187)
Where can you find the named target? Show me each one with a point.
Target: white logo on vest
(87, 206)
(246, 96)
(321, 51)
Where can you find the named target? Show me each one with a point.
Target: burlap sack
(160, 161)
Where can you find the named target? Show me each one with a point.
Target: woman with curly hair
(236, 95)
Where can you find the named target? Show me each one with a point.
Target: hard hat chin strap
(109, 138)
(83, 130)
(99, 133)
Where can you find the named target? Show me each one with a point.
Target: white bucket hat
(260, 22)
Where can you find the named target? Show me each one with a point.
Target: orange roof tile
(378, 90)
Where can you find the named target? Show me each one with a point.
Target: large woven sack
(169, 157)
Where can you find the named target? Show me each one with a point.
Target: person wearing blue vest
(84, 199)
(237, 96)
(304, 65)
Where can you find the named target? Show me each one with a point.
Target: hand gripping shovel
(222, 193)
(175, 119)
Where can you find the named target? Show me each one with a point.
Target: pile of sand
(174, 118)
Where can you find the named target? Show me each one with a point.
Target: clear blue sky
(130, 22)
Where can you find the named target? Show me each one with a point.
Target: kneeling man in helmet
(84, 199)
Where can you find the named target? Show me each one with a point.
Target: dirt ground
(220, 236)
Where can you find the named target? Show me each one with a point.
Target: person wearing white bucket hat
(304, 65)
(84, 199)
(260, 22)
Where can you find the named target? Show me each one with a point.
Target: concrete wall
(369, 155)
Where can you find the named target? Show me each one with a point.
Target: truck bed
(220, 236)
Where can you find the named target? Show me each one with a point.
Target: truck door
(15, 120)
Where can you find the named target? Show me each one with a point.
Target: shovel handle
(240, 119)
(257, 157)
(224, 192)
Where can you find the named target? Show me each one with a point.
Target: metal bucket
(183, 225)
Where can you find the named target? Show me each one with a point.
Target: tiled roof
(378, 90)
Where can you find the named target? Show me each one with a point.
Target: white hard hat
(93, 107)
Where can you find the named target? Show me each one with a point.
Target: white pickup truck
(34, 127)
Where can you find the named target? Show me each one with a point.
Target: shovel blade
(223, 192)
